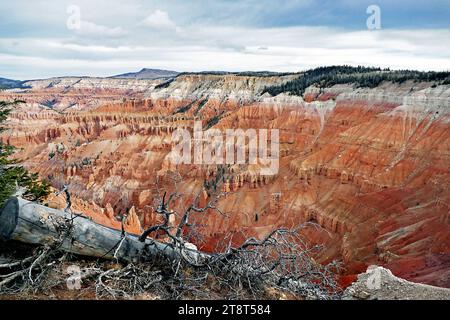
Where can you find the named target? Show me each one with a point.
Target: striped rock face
(369, 166)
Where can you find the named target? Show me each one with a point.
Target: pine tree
(12, 174)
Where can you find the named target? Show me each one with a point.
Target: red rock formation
(369, 166)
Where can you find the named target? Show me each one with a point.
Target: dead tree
(30, 222)
(280, 261)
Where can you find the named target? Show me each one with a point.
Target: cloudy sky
(44, 38)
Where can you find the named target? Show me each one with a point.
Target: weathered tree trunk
(29, 222)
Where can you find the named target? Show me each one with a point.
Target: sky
(47, 38)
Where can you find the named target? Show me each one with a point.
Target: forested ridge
(363, 77)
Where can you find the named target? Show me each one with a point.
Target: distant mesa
(146, 73)
(10, 84)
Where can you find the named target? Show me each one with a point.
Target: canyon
(364, 171)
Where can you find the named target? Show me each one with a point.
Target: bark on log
(32, 223)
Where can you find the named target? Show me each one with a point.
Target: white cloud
(91, 29)
(213, 35)
(159, 20)
(198, 48)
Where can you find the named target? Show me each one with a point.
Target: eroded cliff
(369, 165)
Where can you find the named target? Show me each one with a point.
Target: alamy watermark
(374, 280)
(74, 20)
(73, 282)
(231, 146)
(374, 20)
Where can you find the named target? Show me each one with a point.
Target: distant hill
(9, 84)
(148, 74)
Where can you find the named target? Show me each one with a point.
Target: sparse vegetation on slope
(165, 84)
(240, 74)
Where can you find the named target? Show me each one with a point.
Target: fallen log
(33, 223)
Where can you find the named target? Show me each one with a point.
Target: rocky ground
(378, 283)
